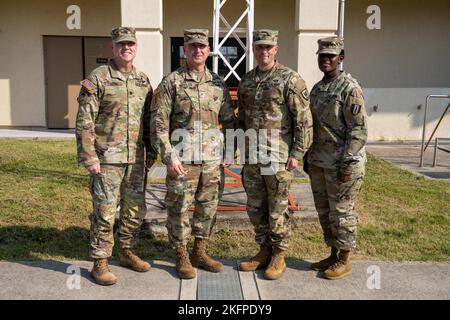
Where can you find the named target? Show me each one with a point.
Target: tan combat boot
(183, 265)
(260, 261)
(277, 265)
(341, 268)
(128, 259)
(199, 258)
(327, 262)
(101, 273)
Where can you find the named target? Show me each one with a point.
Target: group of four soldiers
(122, 126)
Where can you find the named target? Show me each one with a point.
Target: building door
(232, 50)
(68, 60)
(97, 51)
(63, 71)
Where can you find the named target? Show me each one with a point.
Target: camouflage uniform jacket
(109, 127)
(199, 106)
(279, 101)
(340, 124)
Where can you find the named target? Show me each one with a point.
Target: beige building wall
(22, 25)
(280, 15)
(147, 17)
(400, 64)
(314, 20)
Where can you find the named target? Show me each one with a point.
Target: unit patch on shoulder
(305, 94)
(89, 86)
(356, 108)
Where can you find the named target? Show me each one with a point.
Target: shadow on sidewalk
(296, 264)
(167, 268)
(59, 266)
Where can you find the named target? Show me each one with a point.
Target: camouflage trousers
(267, 204)
(116, 183)
(201, 185)
(335, 203)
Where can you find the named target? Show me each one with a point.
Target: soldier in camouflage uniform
(272, 97)
(113, 101)
(192, 103)
(337, 157)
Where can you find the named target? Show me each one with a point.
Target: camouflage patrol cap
(265, 36)
(196, 36)
(331, 45)
(122, 34)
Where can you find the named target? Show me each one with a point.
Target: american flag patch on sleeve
(89, 86)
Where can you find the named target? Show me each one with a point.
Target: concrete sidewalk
(232, 198)
(371, 280)
(38, 133)
(407, 156)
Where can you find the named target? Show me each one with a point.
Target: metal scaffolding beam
(232, 30)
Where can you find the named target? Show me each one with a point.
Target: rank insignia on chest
(141, 83)
(356, 108)
(89, 86)
(276, 82)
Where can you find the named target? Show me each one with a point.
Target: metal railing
(436, 148)
(422, 149)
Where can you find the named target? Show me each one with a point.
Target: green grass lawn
(45, 203)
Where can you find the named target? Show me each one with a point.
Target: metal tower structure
(232, 30)
(341, 25)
